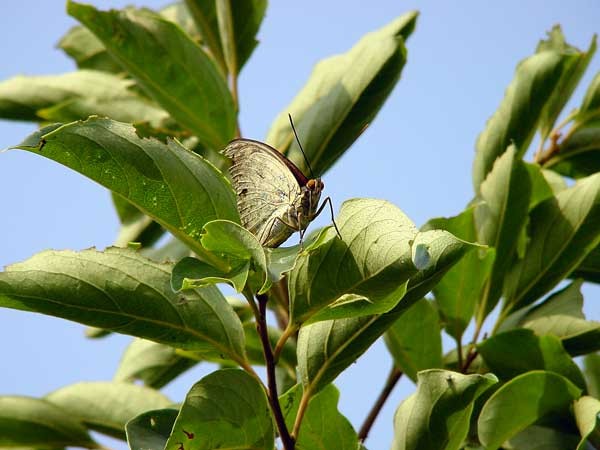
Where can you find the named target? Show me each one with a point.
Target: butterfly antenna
(312, 175)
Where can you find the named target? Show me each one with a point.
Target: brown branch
(261, 327)
(389, 385)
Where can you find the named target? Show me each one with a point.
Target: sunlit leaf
(586, 410)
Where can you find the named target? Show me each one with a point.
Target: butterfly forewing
(267, 186)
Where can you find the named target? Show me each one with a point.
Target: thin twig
(289, 331)
(459, 351)
(389, 385)
(261, 326)
(302, 407)
(470, 358)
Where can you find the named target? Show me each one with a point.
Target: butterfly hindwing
(266, 185)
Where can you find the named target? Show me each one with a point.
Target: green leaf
(154, 364)
(150, 430)
(458, 291)
(88, 52)
(500, 217)
(563, 230)
(538, 437)
(591, 370)
(586, 411)
(121, 291)
(414, 339)
(519, 114)
(590, 106)
(323, 426)
(326, 348)
(575, 64)
(437, 415)
(73, 96)
(205, 16)
(107, 406)
(579, 152)
(191, 273)
(342, 96)
(186, 83)
(528, 352)
(32, 422)
(363, 274)
(521, 402)
(226, 409)
(544, 184)
(589, 269)
(238, 24)
(177, 188)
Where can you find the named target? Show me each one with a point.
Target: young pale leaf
(323, 426)
(458, 291)
(75, 95)
(521, 402)
(204, 14)
(563, 230)
(517, 117)
(591, 370)
(414, 339)
(500, 218)
(154, 364)
(342, 96)
(326, 348)
(226, 409)
(177, 188)
(586, 410)
(150, 430)
(363, 273)
(579, 154)
(575, 64)
(107, 406)
(82, 287)
(37, 423)
(437, 415)
(528, 352)
(186, 83)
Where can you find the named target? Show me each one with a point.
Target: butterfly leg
(328, 200)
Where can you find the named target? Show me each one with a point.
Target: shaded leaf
(177, 188)
(365, 273)
(586, 410)
(591, 369)
(326, 348)
(32, 422)
(563, 230)
(500, 217)
(323, 426)
(590, 106)
(517, 118)
(437, 415)
(226, 409)
(458, 291)
(579, 153)
(544, 184)
(150, 430)
(538, 437)
(107, 406)
(137, 39)
(154, 364)
(83, 287)
(205, 16)
(342, 96)
(576, 62)
(528, 352)
(414, 339)
(589, 269)
(521, 402)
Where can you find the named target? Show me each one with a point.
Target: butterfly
(274, 198)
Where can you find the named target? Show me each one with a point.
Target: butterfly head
(315, 185)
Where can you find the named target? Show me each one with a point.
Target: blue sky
(416, 154)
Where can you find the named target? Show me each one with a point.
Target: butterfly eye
(311, 184)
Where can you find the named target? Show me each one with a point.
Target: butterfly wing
(266, 185)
